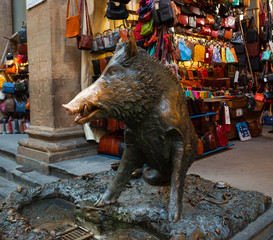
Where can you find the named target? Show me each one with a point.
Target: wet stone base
(210, 210)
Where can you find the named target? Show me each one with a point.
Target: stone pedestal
(54, 79)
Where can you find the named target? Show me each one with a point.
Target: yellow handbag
(223, 55)
(3, 78)
(199, 53)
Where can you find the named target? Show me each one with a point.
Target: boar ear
(131, 46)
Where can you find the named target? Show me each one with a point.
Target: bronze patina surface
(137, 89)
(211, 211)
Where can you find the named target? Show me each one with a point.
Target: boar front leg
(179, 170)
(130, 161)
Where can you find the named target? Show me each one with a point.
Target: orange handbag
(73, 23)
(234, 54)
(109, 144)
(11, 70)
(28, 105)
(200, 149)
(209, 19)
(228, 34)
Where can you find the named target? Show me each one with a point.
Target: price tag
(265, 79)
(207, 55)
(236, 77)
(271, 45)
(156, 5)
(239, 112)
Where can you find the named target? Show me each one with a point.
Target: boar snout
(68, 109)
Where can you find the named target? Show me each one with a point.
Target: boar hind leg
(130, 161)
(179, 170)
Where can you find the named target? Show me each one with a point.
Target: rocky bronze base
(210, 210)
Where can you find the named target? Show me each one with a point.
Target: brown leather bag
(200, 149)
(253, 49)
(109, 144)
(255, 128)
(212, 140)
(9, 105)
(72, 23)
(209, 19)
(228, 33)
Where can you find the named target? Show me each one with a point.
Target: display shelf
(216, 150)
(204, 115)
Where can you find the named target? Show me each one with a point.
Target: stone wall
(6, 23)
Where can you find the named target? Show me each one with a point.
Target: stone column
(54, 79)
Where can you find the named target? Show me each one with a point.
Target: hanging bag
(147, 28)
(185, 52)
(22, 35)
(116, 12)
(85, 41)
(262, 15)
(252, 33)
(73, 23)
(166, 12)
(229, 56)
(199, 53)
(216, 55)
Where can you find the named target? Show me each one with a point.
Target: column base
(46, 145)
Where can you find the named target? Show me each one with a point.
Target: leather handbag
(147, 28)
(155, 12)
(21, 58)
(20, 107)
(183, 19)
(224, 10)
(208, 55)
(11, 69)
(212, 140)
(231, 22)
(9, 105)
(195, 10)
(192, 21)
(255, 63)
(241, 60)
(185, 10)
(185, 52)
(237, 38)
(85, 41)
(116, 12)
(22, 48)
(221, 33)
(22, 35)
(72, 23)
(103, 64)
(200, 148)
(166, 12)
(20, 86)
(109, 144)
(214, 33)
(23, 69)
(209, 19)
(221, 136)
(239, 48)
(200, 21)
(228, 34)
(224, 22)
(252, 33)
(255, 128)
(217, 22)
(8, 87)
(199, 53)
(205, 30)
(253, 49)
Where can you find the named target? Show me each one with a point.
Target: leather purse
(11, 69)
(9, 105)
(224, 10)
(212, 140)
(116, 12)
(241, 60)
(208, 55)
(183, 19)
(253, 49)
(72, 23)
(185, 10)
(221, 33)
(192, 21)
(209, 19)
(231, 22)
(199, 53)
(205, 30)
(224, 22)
(21, 58)
(166, 12)
(221, 136)
(109, 144)
(20, 107)
(200, 21)
(228, 34)
(22, 48)
(217, 22)
(8, 87)
(214, 33)
(147, 28)
(195, 10)
(103, 64)
(239, 48)
(237, 38)
(252, 33)
(255, 63)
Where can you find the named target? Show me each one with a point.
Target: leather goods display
(253, 49)
(8, 87)
(22, 48)
(165, 12)
(22, 35)
(116, 12)
(147, 28)
(72, 23)
(252, 33)
(255, 128)
(183, 19)
(109, 144)
(221, 136)
(200, 21)
(85, 41)
(209, 19)
(9, 105)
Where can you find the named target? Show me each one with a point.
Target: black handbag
(270, 78)
(224, 10)
(22, 35)
(155, 12)
(252, 33)
(115, 12)
(241, 60)
(166, 12)
(217, 22)
(221, 33)
(239, 48)
(268, 95)
(237, 37)
(185, 9)
(23, 69)
(255, 63)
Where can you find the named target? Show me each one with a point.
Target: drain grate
(72, 232)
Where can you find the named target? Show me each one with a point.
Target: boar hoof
(104, 200)
(174, 215)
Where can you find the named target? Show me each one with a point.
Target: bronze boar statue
(137, 89)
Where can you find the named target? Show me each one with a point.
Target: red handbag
(183, 19)
(205, 30)
(228, 33)
(231, 22)
(221, 135)
(200, 21)
(21, 58)
(214, 33)
(208, 55)
(205, 73)
(225, 22)
(22, 48)
(138, 30)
